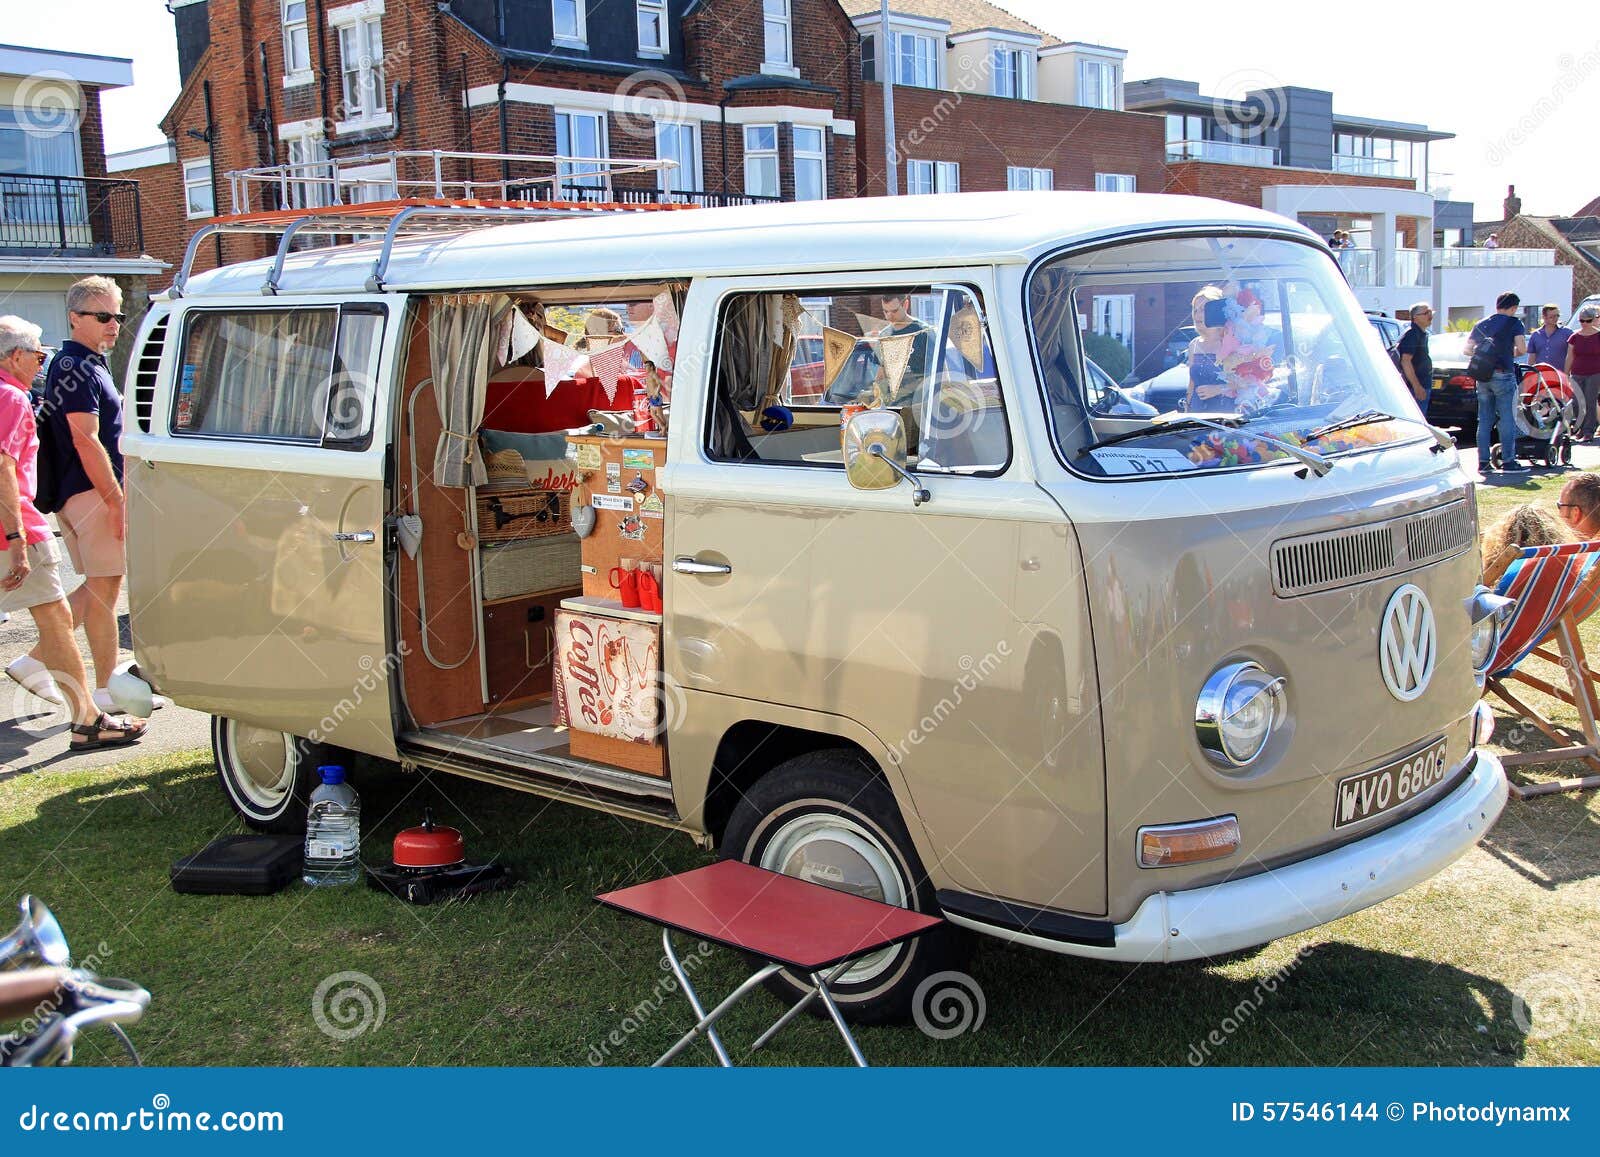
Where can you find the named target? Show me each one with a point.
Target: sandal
(94, 735)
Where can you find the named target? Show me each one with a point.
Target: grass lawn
(542, 975)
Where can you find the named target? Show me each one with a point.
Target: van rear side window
(305, 375)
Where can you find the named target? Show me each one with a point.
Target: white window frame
(565, 172)
(312, 147)
(658, 8)
(763, 155)
(1113, 183)
(918, 42)
(581, 40)
(1024, 177)
(783, 20)
(686, 178)
(1020, 71)
(1109, 75)
(197, 175)
(819, 155)
(375, 179)
(936, 176)
(364, 22)
(301, 28)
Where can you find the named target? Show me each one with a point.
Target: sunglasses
(102, 316)
(1568, 506)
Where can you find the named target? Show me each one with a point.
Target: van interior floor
(529, 729)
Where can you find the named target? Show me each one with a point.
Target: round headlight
(1485, 634)
(1239, 708)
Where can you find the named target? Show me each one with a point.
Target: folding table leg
(694, 1003)
(805, 1000)
(838, 1019)
(711, 1018)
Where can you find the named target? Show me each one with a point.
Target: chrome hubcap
(264, 763)
(839, 853)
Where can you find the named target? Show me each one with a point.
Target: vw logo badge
(1407, 645)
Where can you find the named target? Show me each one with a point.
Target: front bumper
(1222, 918)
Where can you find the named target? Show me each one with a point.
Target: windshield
(1258, 334)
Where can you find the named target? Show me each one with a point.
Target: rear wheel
(824, 817)
(1551, 455)
(267, 775)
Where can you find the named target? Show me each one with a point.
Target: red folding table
(810, 930)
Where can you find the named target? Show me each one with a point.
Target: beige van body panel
(947, 631)
(242, 602)
(1173, 598)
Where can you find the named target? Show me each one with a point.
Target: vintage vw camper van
(952, 612)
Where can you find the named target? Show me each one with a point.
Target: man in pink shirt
(31, 579)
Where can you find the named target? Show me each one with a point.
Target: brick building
(61, 218)
(293, 103)
(985, 100)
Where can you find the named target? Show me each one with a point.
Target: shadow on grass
(542, 975)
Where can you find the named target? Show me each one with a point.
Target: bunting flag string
(559, 362)
(607, 365)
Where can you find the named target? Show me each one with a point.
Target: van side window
(786, 367)
(305, 375)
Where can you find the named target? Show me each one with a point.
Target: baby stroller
(1548, 411)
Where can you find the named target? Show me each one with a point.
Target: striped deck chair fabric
(1546, 582)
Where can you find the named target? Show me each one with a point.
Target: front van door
(955, 632)
(255, 487)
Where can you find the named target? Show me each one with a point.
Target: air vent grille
(1338, 558)
(144, 374)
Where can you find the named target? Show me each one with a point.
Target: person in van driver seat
(897, 311)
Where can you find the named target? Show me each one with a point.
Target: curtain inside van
(459, 328)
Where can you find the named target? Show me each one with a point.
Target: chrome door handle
(355, 536)
(683, 564)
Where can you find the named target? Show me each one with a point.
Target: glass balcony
(1366, 166)
(1229, 152)
(1493, 258)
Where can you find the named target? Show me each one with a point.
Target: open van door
(255, 471)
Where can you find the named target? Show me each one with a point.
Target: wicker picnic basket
(512, 513)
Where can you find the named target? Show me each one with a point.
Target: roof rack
(407, 217)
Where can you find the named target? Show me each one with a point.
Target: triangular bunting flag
(559, 361)
(652, 343)
(870, 326)
(608, 366)
(837, 346)
(523, 336)
(894, 353)
(666, 314)
(793, 311)
(502, 338)
(966, 331)
(777, 322)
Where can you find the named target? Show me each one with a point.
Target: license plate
(1369, 793)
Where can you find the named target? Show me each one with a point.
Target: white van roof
(862, 232)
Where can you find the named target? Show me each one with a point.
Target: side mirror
(875, 453)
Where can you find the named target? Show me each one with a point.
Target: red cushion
(522, 408)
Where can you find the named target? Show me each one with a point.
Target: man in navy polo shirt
(1497, 397)
(84, 409)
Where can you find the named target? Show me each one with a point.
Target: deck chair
(1554, 588)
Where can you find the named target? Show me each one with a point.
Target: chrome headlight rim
(1210, 708)
(1486, 609)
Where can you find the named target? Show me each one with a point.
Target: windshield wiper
(1228, 424)
(1364, 418)
(1224, 422)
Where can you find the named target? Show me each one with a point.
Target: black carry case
(240, 866)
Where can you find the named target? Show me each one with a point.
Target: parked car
(1593, 299)
(1453, 402)
(806, 372)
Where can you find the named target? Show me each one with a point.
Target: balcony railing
(44, 215)
(1366, 166)
(1363, 268)
(456, 176)
(1230, 152)
(1493, 258)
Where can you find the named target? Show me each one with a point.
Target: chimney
(1513, 203)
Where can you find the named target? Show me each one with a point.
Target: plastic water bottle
(333, 831)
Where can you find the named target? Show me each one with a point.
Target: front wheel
(824, 817)
(267, 775)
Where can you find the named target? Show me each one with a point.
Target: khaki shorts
(43, 584)
(90, 534)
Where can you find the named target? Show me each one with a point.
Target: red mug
(649, 592)
(626, 584)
